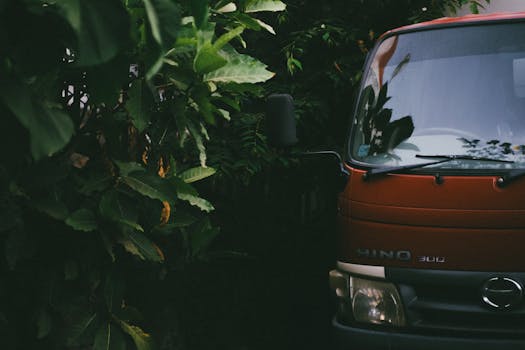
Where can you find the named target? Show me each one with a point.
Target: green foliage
(99, 38)
(49, 127)
(264, 5)
(239, 69)
(108, 121)
(109, 337)
(196, 174)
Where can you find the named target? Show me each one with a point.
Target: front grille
(442, 301)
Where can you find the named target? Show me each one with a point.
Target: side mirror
(280, 120)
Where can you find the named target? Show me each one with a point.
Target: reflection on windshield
(493, 148)
(445, 91)
(380, 134)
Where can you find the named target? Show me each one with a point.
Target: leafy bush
(106, 107)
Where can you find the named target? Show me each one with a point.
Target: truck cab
(431, 248)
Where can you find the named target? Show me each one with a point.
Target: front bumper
(350, 338)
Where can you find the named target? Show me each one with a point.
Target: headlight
(368, 301)
(376, 302)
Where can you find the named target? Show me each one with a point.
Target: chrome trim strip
(365, 270)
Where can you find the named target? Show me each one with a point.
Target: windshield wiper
(444, 158)
(463, 157)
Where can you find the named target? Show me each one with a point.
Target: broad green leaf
(204, 132)
(198, 141)
(240, 69)
(227, 37)
(113, 292)
(187, 193)
(49, 127)
(198, 202)
(186, 40)
(203, 103)
(98, 182)
(138, 244)
(43, 323)
(266, 26)
(248, 21)
(229, 7)
(264, 5)
(119, 208)
(142, 340)
(150, 185)
(208, 59)
(164, 20)
(139, 104)
(85, 326)
(126, 168)
(225, 114)
(82, 220)
(196, 174)
(101, 27)
(153, 20)
(109, 337)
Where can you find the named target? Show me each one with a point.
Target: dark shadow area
(267, 285)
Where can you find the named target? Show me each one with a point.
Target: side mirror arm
(344, 172)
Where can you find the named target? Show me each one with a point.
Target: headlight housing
(368, 301)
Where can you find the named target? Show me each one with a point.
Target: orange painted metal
(465, 223)
(499, 16)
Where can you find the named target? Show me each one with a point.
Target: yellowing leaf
(139, 245)
(163, 169)
(142, 340)
(165, 213)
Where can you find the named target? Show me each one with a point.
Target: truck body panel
(433, 251)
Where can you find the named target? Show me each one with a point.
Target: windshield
(452, 91)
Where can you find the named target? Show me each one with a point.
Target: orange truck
(432, 216)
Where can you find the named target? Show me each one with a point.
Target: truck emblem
(401, 255)
(502, 293)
